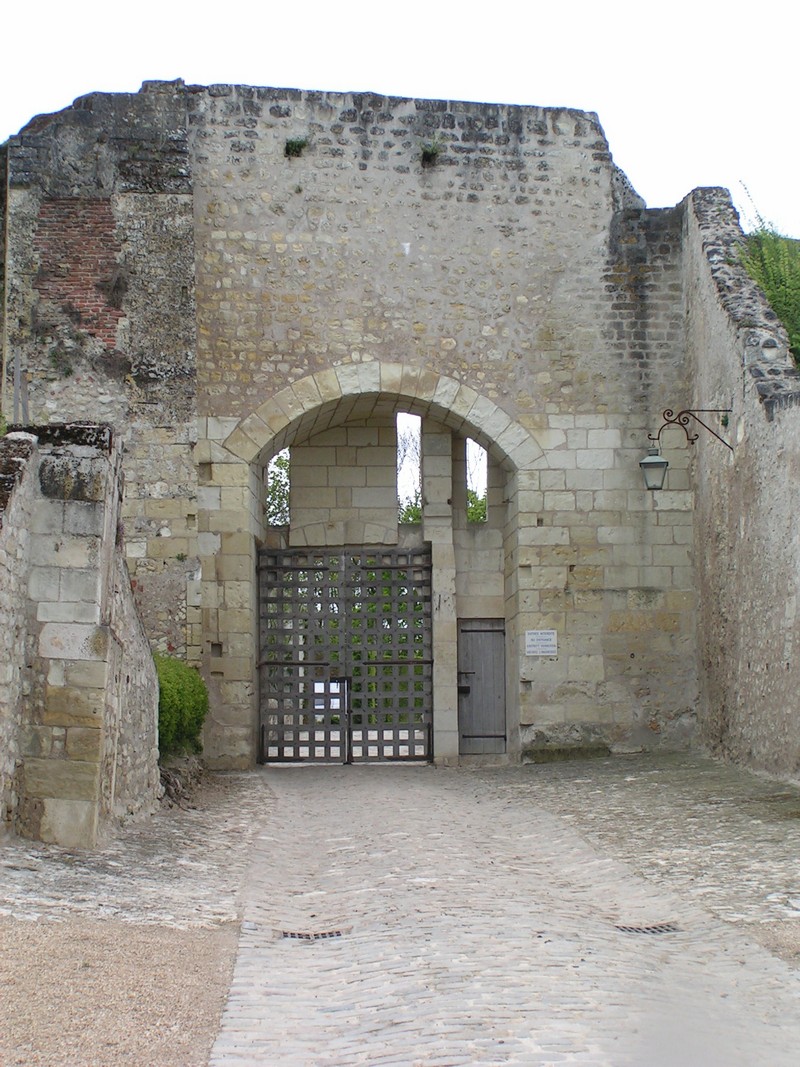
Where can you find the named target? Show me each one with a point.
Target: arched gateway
(174, 269)
(348, 627)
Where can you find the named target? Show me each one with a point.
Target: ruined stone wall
(78, 704)
(100, 312)
(355, 250)
(130, 776)
(18, 462)
(748, 545)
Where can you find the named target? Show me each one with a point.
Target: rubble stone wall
(100, 314)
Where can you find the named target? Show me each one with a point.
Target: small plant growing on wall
(294, 146)
(60, 361)
(430, 153)
(182, 706)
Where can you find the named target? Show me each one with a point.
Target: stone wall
(78, 706)
(100, 313)
(18, 463)
(748, 539)
(514, 290)
(344, 486)
(291, 269)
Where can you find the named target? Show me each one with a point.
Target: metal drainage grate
(655, 928)
(298, 935)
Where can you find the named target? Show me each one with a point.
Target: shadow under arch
(319, 401)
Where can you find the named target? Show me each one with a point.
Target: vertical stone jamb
(437, 519)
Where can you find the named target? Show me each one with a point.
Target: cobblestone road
(473, 918)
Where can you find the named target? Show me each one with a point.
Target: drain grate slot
(300, 935)
(654, 928)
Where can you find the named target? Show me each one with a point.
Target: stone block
(238, 594)
(68, 611)
(63, 779)
(84, 743)
(242, 445)
(669, 501)
(73, 641)
(70, 823)
(232, 620)
(594, 459)
(69, 477)
(238, 544)
(43, 583)
(84, 518)
(219, 428)
(48, 516)
(64, 551)
(68, 706)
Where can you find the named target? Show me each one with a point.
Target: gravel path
(124, 955)
(97, 992)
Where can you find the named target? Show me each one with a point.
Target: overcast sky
(689, 94)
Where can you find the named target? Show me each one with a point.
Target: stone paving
(181, 869)
(445, 917)
(473, 914)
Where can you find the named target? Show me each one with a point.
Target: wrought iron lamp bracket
(683, 419)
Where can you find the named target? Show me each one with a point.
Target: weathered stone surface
(509, 288)
(78, 693)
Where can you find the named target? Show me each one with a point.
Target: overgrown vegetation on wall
(773, 261)
(182, 706)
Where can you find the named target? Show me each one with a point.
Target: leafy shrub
(773, 261)
(182, 706)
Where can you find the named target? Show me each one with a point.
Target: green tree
(409, 460)
(476, 506)
(410, 509)
(773, 261)
(277, 487)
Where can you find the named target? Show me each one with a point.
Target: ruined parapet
(762, 341)
(80, 710)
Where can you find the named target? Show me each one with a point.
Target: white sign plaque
(541, 643)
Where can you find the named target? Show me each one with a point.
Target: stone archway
(230, 524)
(306, 405)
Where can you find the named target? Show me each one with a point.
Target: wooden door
(481, 686)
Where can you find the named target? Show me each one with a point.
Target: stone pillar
(437, 518)
(230, 498)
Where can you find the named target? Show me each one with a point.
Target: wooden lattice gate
(345, 667)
